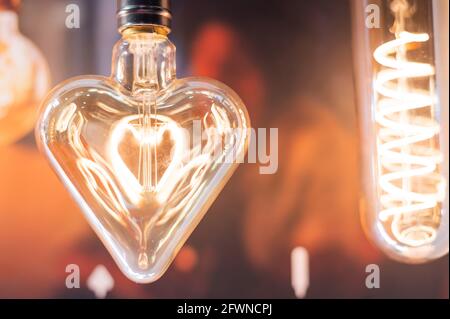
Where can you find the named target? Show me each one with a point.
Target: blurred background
(291, 63)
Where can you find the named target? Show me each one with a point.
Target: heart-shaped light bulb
(143, 153)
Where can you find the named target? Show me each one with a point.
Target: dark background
(291, 62)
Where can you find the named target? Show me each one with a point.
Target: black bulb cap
(141, 13)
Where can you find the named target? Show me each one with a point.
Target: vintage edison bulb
(24, 78)
(143, 153)
(401, 58)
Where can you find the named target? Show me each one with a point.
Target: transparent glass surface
(401, 60)
(24, 80)
(143, 153)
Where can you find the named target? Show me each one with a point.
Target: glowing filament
(411, 185)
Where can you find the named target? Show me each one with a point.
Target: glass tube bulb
(143, 153)
(24, 79)
(401, 59)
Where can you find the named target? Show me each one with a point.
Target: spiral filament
(409, 179)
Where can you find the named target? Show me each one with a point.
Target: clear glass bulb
(24, 80)
(144, 154)
(402, 81)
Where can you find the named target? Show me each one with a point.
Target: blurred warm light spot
(219, 52)
(315, 201)
(39, 223)
(211, 49)
(187, 259)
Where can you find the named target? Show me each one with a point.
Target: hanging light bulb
(401, 59)
(144, 154)
(24, 77)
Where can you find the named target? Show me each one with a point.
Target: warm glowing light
(24, 80)
(143, 153)
(408, 154)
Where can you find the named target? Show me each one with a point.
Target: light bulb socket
(144, 14)
(9, 5)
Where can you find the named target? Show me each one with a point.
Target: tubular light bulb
(404, 124)
(144, 154)
(24, 78)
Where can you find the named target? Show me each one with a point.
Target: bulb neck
(144, 59)
(158, 29)
(9, 23)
